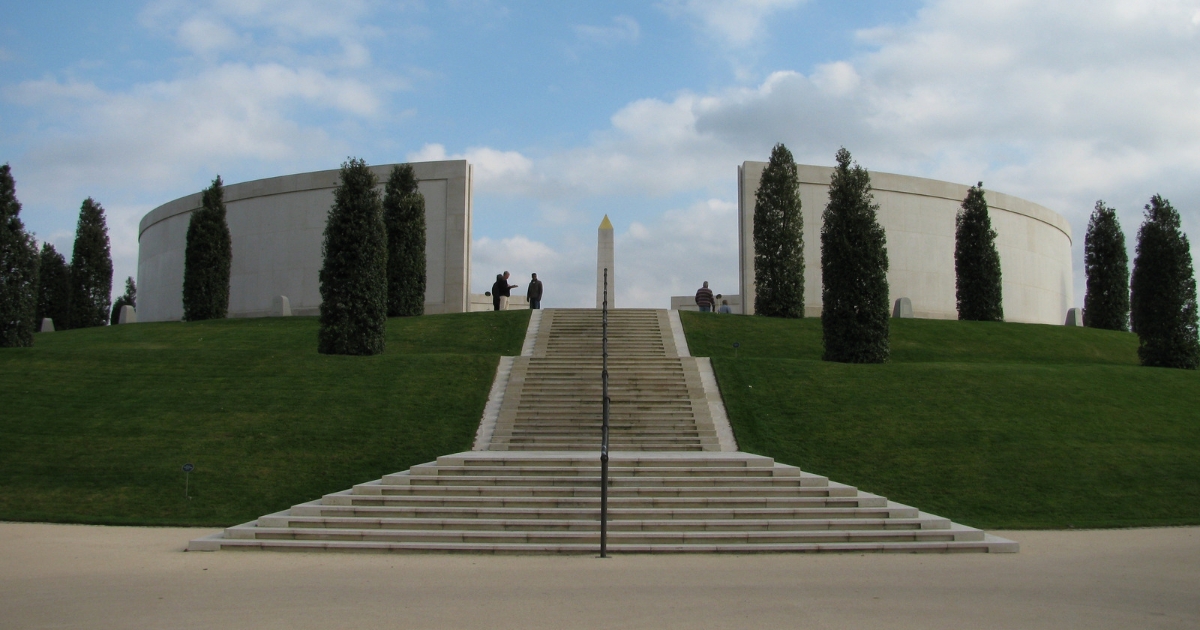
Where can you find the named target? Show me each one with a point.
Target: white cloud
(565, 277)
(675, 253)
(506, 172)
(262, 82)
(269, 30)
(736, 23)
(1061, 103)
(160, 132)
(624, 29)
(204, 36)
(670, 254)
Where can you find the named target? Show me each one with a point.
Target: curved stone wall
(918, 216)
(277, 226)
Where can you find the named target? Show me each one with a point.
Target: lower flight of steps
(548, 502)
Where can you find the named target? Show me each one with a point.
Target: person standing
(704, 298)
(498, 290)
(501, 291)
(725, 308)
(534, 292)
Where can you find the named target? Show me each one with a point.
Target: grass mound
(994, 425)
(98, 422)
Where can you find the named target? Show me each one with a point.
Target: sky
(570, 111)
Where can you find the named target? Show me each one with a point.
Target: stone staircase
(677, 482)
(553, 402)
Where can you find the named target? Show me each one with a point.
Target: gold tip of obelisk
(606, 224)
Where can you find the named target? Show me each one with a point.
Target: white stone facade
(606, 271)
(917, 215)
(277, 226)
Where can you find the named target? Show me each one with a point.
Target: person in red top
(704, 298)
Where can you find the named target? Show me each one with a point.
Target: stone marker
(903, 308)
(604, 260)
(280, 306)
(47, 325)
(1074, 317)
(128, 315)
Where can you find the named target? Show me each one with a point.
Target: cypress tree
(354, 267)
(976, 261)
(1106, 263)
(854, 264)
(18, 269)
(404, 215)
(130, 298)
(207, 258)
(779, 239)
(91, 268)
(54, 289)
(1163, 291)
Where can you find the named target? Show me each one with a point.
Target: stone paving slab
(74, 577)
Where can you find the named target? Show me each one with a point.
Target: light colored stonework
(681, 347)
(491, 410)
(918, 216)
(278, 225)
(688, 303)
(605, 259)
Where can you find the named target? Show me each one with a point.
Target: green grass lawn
(96, 424)
(992, 425)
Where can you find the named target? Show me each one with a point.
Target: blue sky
(569, 111)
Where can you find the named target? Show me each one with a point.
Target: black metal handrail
(604, 425)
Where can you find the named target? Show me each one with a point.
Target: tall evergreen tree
(1106, 263)
(854, 264)
(354, 267)
(54, 289)
(129, 299)
(1163, 291)
(779, 239)
(18, 269)
(976, 261)
(404, 215)
(91, 268)
(207, 258)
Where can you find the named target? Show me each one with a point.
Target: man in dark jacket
(500, 292)
(534, 293)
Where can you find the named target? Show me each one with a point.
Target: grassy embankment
(95, 424)
(992, 425)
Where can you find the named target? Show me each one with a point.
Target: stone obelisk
(604, 260)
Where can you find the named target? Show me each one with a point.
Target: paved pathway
(70, 576)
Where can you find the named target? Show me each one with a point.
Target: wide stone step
(990, 543)
(592, 469)
(565, 444)
(592, 447)
(615, 502)
(591, 512)
(594, 491)
(619, 536)
(617, 460)
(615, 482)
(548, 524)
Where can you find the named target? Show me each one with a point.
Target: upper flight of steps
(553, 401)
(533, 485)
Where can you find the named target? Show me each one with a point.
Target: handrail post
(604, 425)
